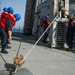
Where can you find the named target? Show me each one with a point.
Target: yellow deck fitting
(18, 59)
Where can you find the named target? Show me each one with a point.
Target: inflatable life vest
(4, 16)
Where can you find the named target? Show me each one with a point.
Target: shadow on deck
(29, 39)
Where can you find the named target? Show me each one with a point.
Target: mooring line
(39, 38)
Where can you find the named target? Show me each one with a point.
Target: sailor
(46, 24)
(7, 21)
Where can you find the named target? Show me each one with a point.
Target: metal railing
(18, 29)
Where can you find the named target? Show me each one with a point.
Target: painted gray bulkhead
(43, 9)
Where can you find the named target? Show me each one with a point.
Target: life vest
(4, 16)
(46, 22)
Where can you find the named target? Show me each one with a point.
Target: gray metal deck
(41, 61)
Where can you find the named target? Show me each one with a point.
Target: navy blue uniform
(70, 34)
(3, 34)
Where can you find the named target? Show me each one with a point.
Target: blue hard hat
(17, 16)
(46, 16)
(5, 9)
(10, 9)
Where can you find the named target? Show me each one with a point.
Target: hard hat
(46, 16)
(5, 9)
(10, 9)
(17, 16)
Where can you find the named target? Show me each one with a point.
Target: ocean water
(20, 30)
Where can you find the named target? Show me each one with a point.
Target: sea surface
(20, 30)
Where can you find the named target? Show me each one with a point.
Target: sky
(18, 6)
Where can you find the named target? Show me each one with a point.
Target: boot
(8, 47)
(3, 50)
(8, 42)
